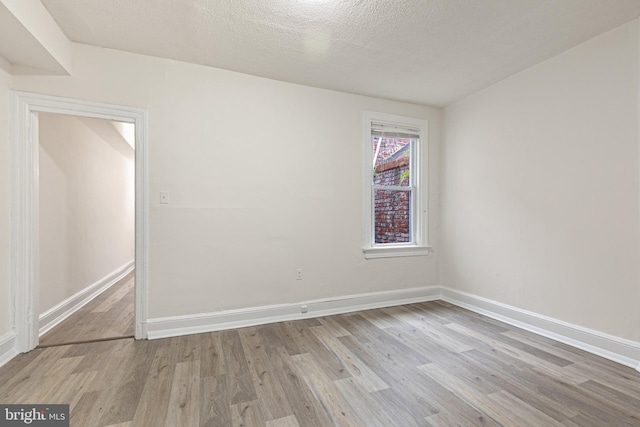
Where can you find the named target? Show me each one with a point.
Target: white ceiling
(430, 52)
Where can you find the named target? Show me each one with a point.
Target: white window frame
(419, 220)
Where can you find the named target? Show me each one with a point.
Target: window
(395, 196)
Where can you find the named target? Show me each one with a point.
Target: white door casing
(24, 272)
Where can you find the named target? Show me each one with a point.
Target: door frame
(24, 174)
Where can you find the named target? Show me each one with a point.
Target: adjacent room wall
(5, 243)
(540, 188)
(86, 207)
(264, 178)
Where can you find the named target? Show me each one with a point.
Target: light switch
(164, 197)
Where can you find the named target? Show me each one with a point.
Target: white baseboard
(7, 347)
(209, 322)
(619, 350)
(66, 308)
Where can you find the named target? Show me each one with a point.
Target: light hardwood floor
(429, 364)
(110, 315)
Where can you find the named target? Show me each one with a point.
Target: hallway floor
(109, 316)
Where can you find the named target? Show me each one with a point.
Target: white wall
(264, 178)
(86, 207)
(5, 243)
(540, 188)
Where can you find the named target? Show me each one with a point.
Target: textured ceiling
(430, 52)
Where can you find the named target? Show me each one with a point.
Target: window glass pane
(392, 160)
(392, 216)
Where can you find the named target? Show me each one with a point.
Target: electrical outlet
(164, 197)
(299, 274)
(304, 308)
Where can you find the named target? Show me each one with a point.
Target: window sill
(396, 251)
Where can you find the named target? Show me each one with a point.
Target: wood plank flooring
(110, 315)
(429, 364)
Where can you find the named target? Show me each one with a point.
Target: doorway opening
(26, 280)
(86, 229)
